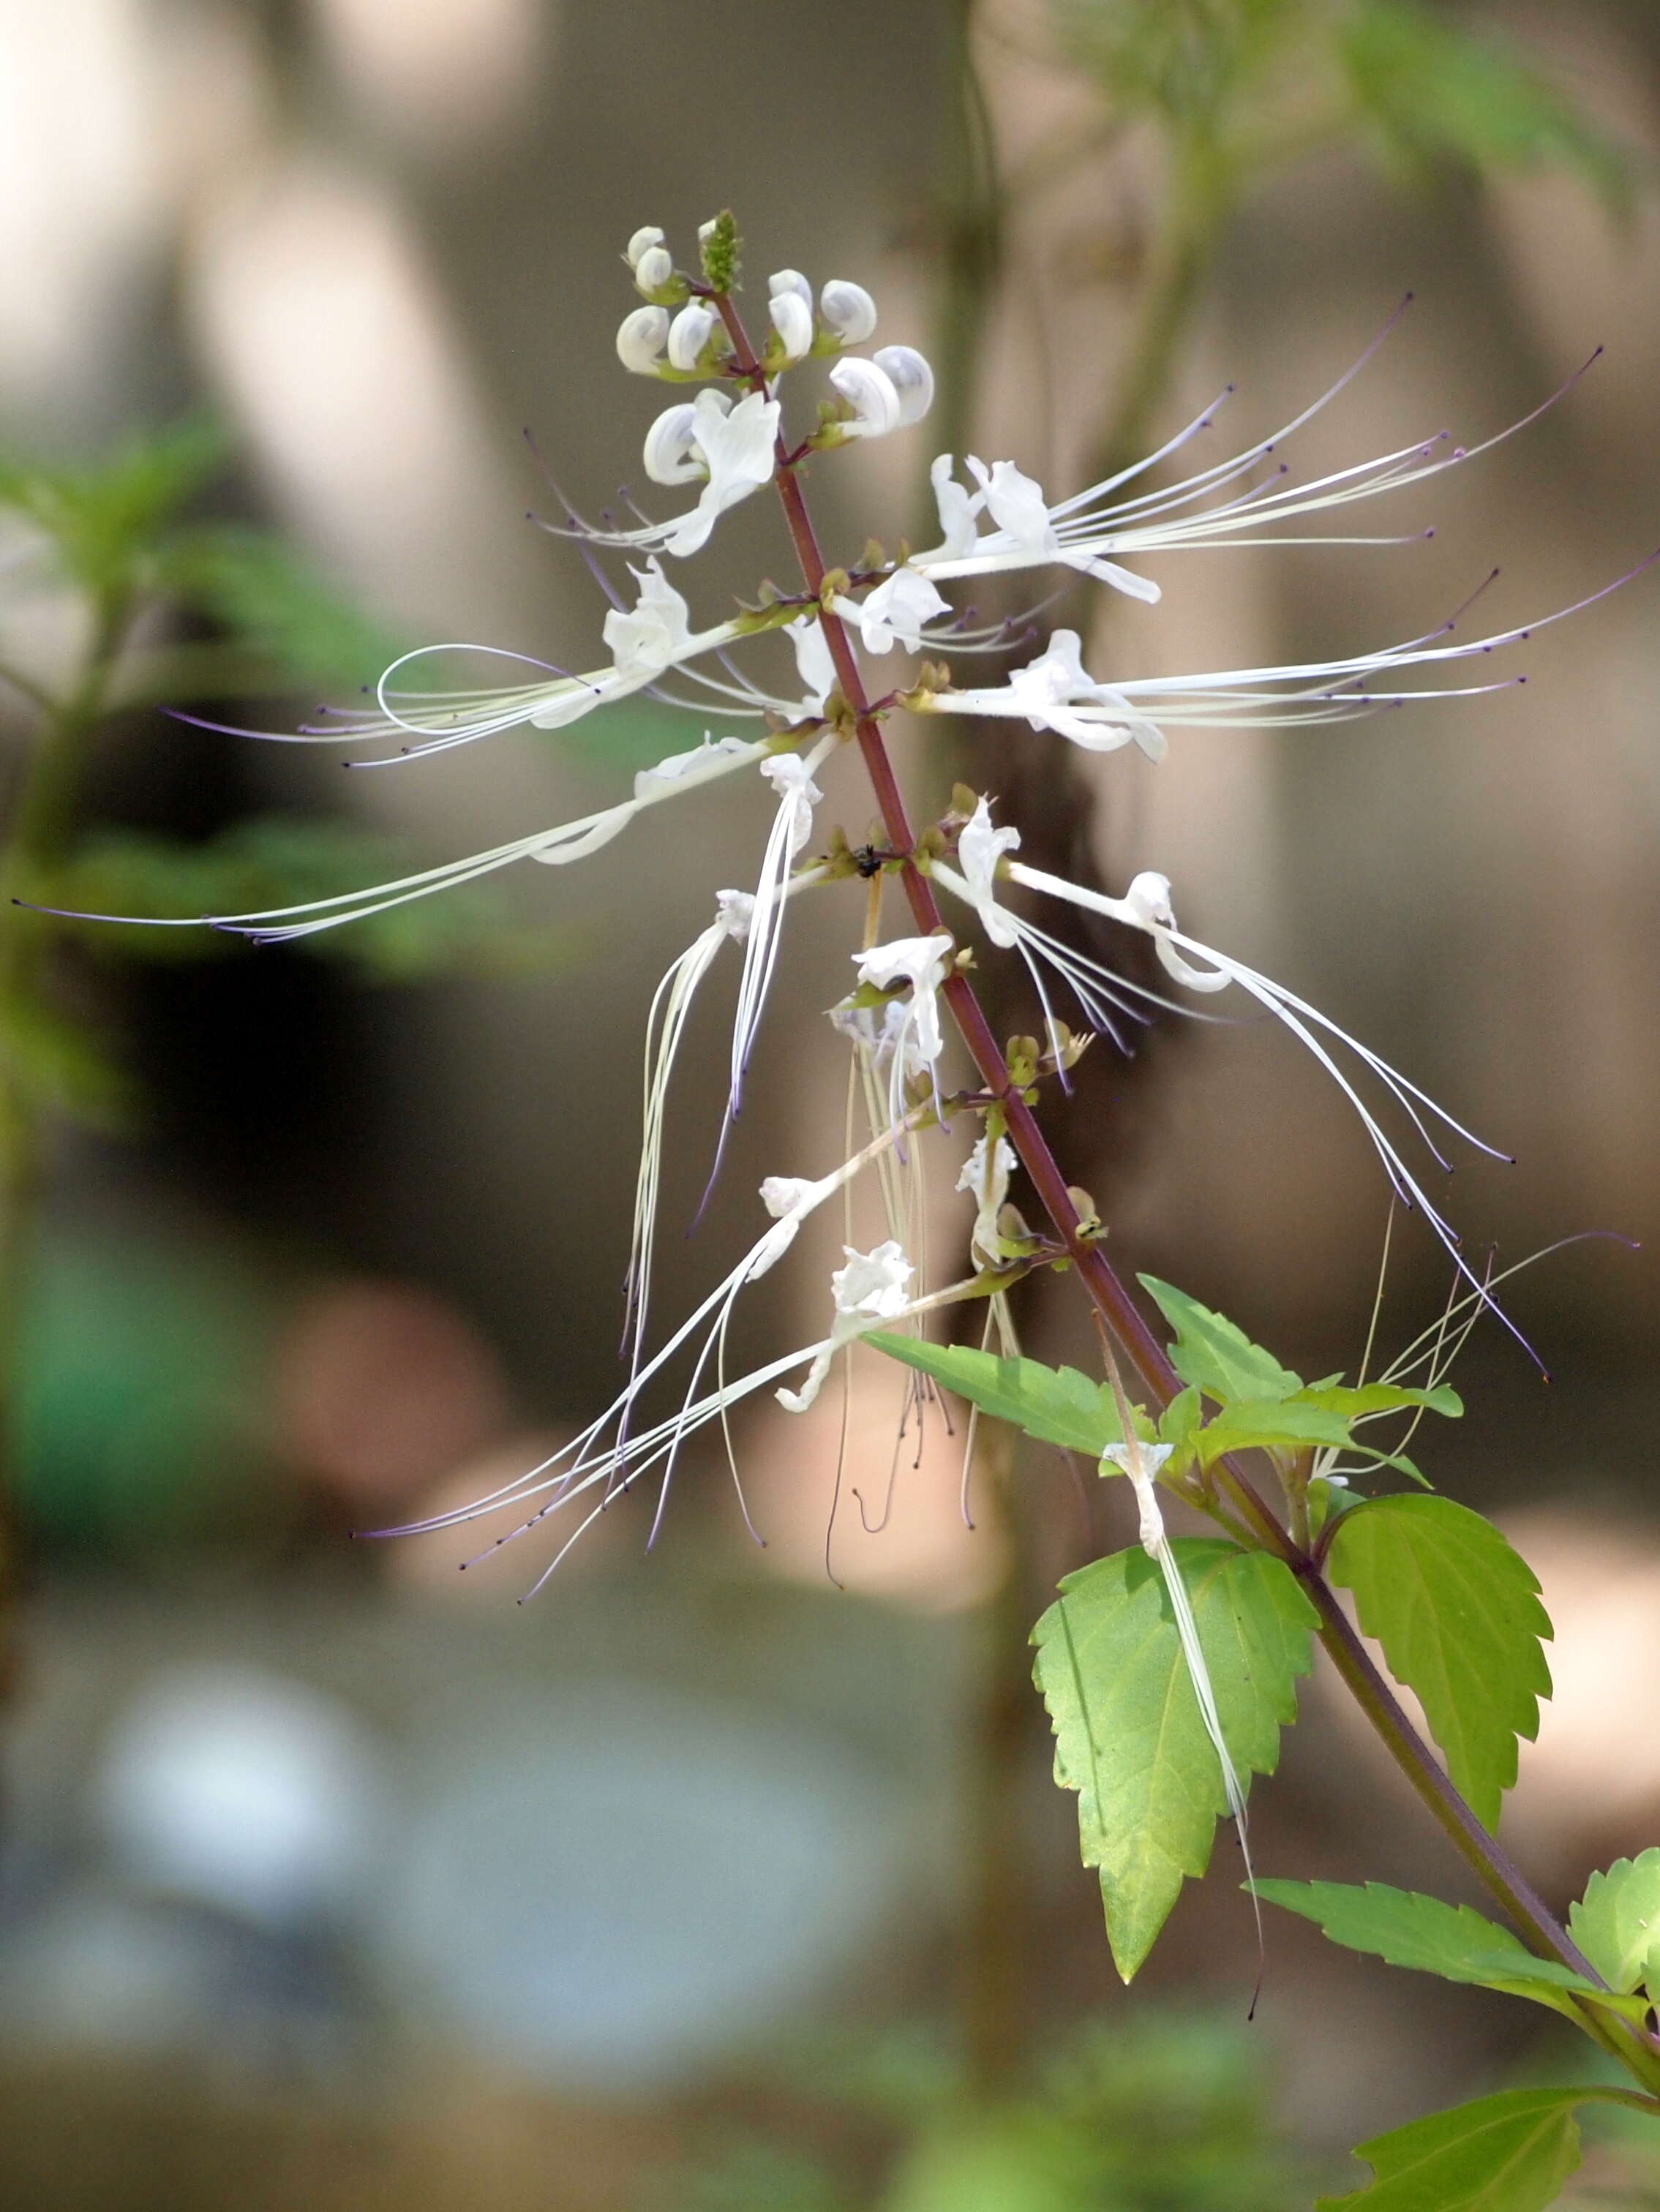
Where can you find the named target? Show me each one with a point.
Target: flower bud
(790, 280)
(912, 379)
(870, 392)
(688, 333)
(669, 448)
(707, 230)
(654, 269)
(792, 317)
(641, 243)
(640, 341)
(848, 310)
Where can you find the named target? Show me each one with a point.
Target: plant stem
(1481, 1851)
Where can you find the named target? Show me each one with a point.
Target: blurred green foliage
(178, 608)
(1263, 79)
(275, 860)
(1171, 2116)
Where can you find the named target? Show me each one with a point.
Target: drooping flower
(980, 852)
(814, 662)
(1147, 907)
(921, 962)
(985, 1177)
(791, 776)
(872, 1288)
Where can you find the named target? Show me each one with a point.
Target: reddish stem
(1481, 1851)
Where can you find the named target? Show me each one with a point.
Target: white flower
(874, 1287)
(980, 850)
(871, 393)
(688, 333)
(731, 445)
(669, 451)
(1146, 906)
(957, 510)
(641, 243)
(848, 310)
(734, 910)
(922, 963)
(682, 771)
(1141, 1463)
(791, 318)
(882, 1032)
(911, 377)
(898, 608)
(657, 631)
(791, 777)
(790, 280)
(641, 339)
(1045, 687)
(814, 662)
(654, 269)
(1048, 693)
(1024, 534)
(985, 1177)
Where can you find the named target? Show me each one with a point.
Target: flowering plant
(1168, 1669)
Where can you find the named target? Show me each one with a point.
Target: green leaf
(102, 516)
(1213, 1353)
(1408, 1930)
(1616, 1924)
(1369, 1399)
(1130, 1737)
(1458, 1616)
(1178, 1427)
(276, 603)
(276, 861)
(1511, 2153)
(1437, 94)
(1056, 1404)
(1289, 1425)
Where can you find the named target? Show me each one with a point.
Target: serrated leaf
(1511, 2153)
(1056, 1404)
(1407, 1928)
(1438, 94)
(1216, 1355)
(1129, 1736)
(1263, 1423)
(1458, 1616)
(1616, 1924)
(276, 603)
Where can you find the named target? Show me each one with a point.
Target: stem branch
(1481, 1851)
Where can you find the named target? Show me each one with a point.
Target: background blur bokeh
(332, 1876)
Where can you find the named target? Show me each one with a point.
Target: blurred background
(332, 1877)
